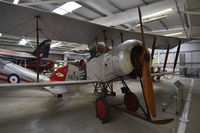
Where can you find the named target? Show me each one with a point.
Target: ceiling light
(67, 7)
(23, 42)
(162, 12)
(154, 18)
(58, 44)
(151, 19)
(16, 2)
(0, 34)
(174, 34)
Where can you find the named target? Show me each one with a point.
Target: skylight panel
(23, 42)
(16, 2)
(67, 7)
(60, 11)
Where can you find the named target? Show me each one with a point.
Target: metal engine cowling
(126, 58)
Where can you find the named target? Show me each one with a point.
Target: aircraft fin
(60, 74)
(44, 48)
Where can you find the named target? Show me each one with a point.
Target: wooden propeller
(146, 73)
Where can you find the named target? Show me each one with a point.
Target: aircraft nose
(135, 55)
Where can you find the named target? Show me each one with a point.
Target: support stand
(176, 99)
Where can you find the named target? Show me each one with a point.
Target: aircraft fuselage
(120, 61)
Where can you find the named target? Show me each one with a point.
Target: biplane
(28, 60)
(129, 57)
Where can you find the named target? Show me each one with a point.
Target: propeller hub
(135, 55)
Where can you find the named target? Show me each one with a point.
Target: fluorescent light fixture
(151, 19)
(174, 34)
(23, 42)
(0, 34)
(58, 44)
(162, 12)
(154, 18)
(16, 2)
(67, 7)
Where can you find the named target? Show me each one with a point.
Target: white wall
(192, 57)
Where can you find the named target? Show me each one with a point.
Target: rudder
(60, 74)
(44, 48)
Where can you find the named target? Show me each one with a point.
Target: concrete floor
(36, 111)
(194, 116)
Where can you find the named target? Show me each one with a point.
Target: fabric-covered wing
(5, 52)
(21, 21)
(44, 84)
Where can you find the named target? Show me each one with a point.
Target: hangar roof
(179, 18)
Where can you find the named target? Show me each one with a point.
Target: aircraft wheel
(131, 101)
(102, 109)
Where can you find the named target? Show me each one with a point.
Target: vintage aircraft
(13, 73)
(29, 60)
(126, 59)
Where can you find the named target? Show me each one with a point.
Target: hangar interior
(32, 110)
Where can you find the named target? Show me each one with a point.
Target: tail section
(44, 48)
(60, 74)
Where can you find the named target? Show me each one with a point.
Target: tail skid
(58, 90)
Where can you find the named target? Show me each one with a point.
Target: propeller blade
(153, 48)
(148, 88)
(146, 74)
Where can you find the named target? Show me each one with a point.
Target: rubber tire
(102, 111)
(131, 102)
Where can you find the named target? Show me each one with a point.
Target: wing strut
(121, 37)
(166, 58)
(105, 40)
(153, 48)
(177, 53)
(96, 46)
(37, 49)
(112, 43)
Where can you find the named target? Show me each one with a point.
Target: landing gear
(131, 103)
(106, 88)
(103, 90)
(130, 100)
(102, 109)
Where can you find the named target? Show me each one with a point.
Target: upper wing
(5, 52)
(44, 84)
(21, 21)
